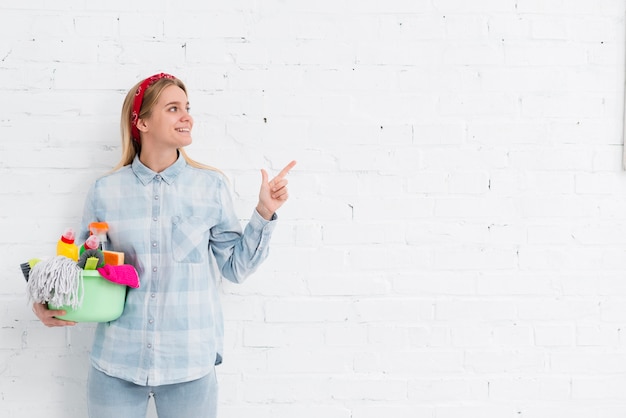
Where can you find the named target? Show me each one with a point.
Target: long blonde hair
(132, 148)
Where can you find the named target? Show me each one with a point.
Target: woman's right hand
(47, 316)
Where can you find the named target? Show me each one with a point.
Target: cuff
(257, 215)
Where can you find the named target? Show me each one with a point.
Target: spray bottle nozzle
(100, 229)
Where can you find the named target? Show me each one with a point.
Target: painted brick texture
(455, 241)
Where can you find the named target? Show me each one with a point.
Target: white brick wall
(455, 244)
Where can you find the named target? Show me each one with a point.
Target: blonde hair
(131, 148)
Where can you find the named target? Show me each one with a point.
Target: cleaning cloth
(124, 274)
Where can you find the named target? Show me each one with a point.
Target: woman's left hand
(273, 193)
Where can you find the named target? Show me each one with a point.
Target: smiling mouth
(183, 130)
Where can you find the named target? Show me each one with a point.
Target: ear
(142, 125)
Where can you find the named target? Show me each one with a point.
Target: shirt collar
(145, 175)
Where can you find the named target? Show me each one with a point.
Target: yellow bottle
(66, 246)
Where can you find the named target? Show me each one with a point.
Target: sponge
(113, 258)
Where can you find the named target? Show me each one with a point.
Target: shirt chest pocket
(190, 238)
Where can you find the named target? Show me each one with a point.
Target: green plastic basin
(103, 300)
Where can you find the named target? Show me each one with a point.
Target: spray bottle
(66, 246)
(100, 229)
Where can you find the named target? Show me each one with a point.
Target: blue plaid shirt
(179, 229)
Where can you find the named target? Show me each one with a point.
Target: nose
(186, 116)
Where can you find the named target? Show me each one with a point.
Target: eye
(173, 109)
(188, 109)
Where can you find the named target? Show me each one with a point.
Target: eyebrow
(175, 103)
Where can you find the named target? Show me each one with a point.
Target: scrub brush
(27, 266)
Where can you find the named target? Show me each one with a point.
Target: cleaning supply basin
(103, 300)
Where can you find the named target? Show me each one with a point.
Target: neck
(157, 161)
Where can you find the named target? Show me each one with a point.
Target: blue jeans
(109, 397)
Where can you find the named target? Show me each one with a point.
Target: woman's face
(169, 124)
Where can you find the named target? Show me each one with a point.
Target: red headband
(138, 101)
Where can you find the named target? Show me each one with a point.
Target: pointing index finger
(286, 170)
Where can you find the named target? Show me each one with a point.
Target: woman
(174, 220)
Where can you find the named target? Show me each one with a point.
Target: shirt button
(154, 244)
(151, 321)
(153, 295)
(154, 269)
(155, 219)
(156, 197)
(149, 345)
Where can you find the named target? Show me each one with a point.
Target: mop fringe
(56, 281)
